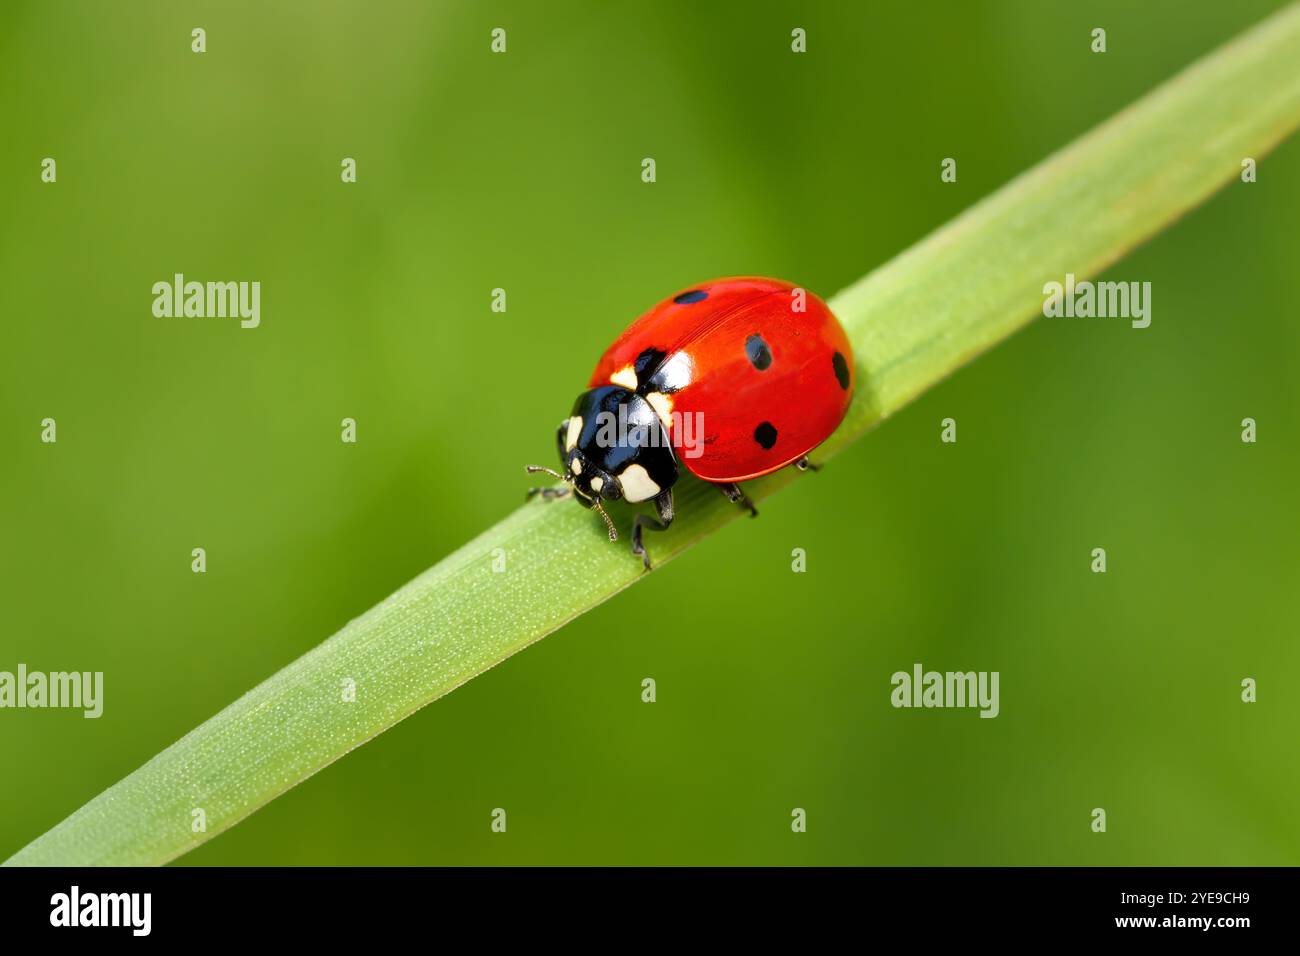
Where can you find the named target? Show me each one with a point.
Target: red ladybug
(734, 379)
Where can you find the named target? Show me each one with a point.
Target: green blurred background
(523, 171)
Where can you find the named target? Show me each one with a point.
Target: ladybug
(732, 379)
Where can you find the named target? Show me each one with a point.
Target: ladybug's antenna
(549, 471)
(613, 535)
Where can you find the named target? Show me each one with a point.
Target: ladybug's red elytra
(733, 379)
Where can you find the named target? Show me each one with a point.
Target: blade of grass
(913, 321)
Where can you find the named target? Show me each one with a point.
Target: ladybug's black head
(613, 446)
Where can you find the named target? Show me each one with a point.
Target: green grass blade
(913, 321)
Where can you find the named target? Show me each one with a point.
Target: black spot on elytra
(695, 295)
(841, 370)
(760, 356)
(765, 435)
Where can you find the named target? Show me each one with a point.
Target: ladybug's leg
(548, 493)
(803, 464)
(733, 493)
(664, 505)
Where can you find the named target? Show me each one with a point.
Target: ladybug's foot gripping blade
(548, 494)
(664, 506)
(638, 527)
(734, 494)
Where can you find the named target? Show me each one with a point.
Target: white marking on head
(663, 406)
(597, 483)
(575, 466)
(571, 436)
(626, 376)
(637, 484)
